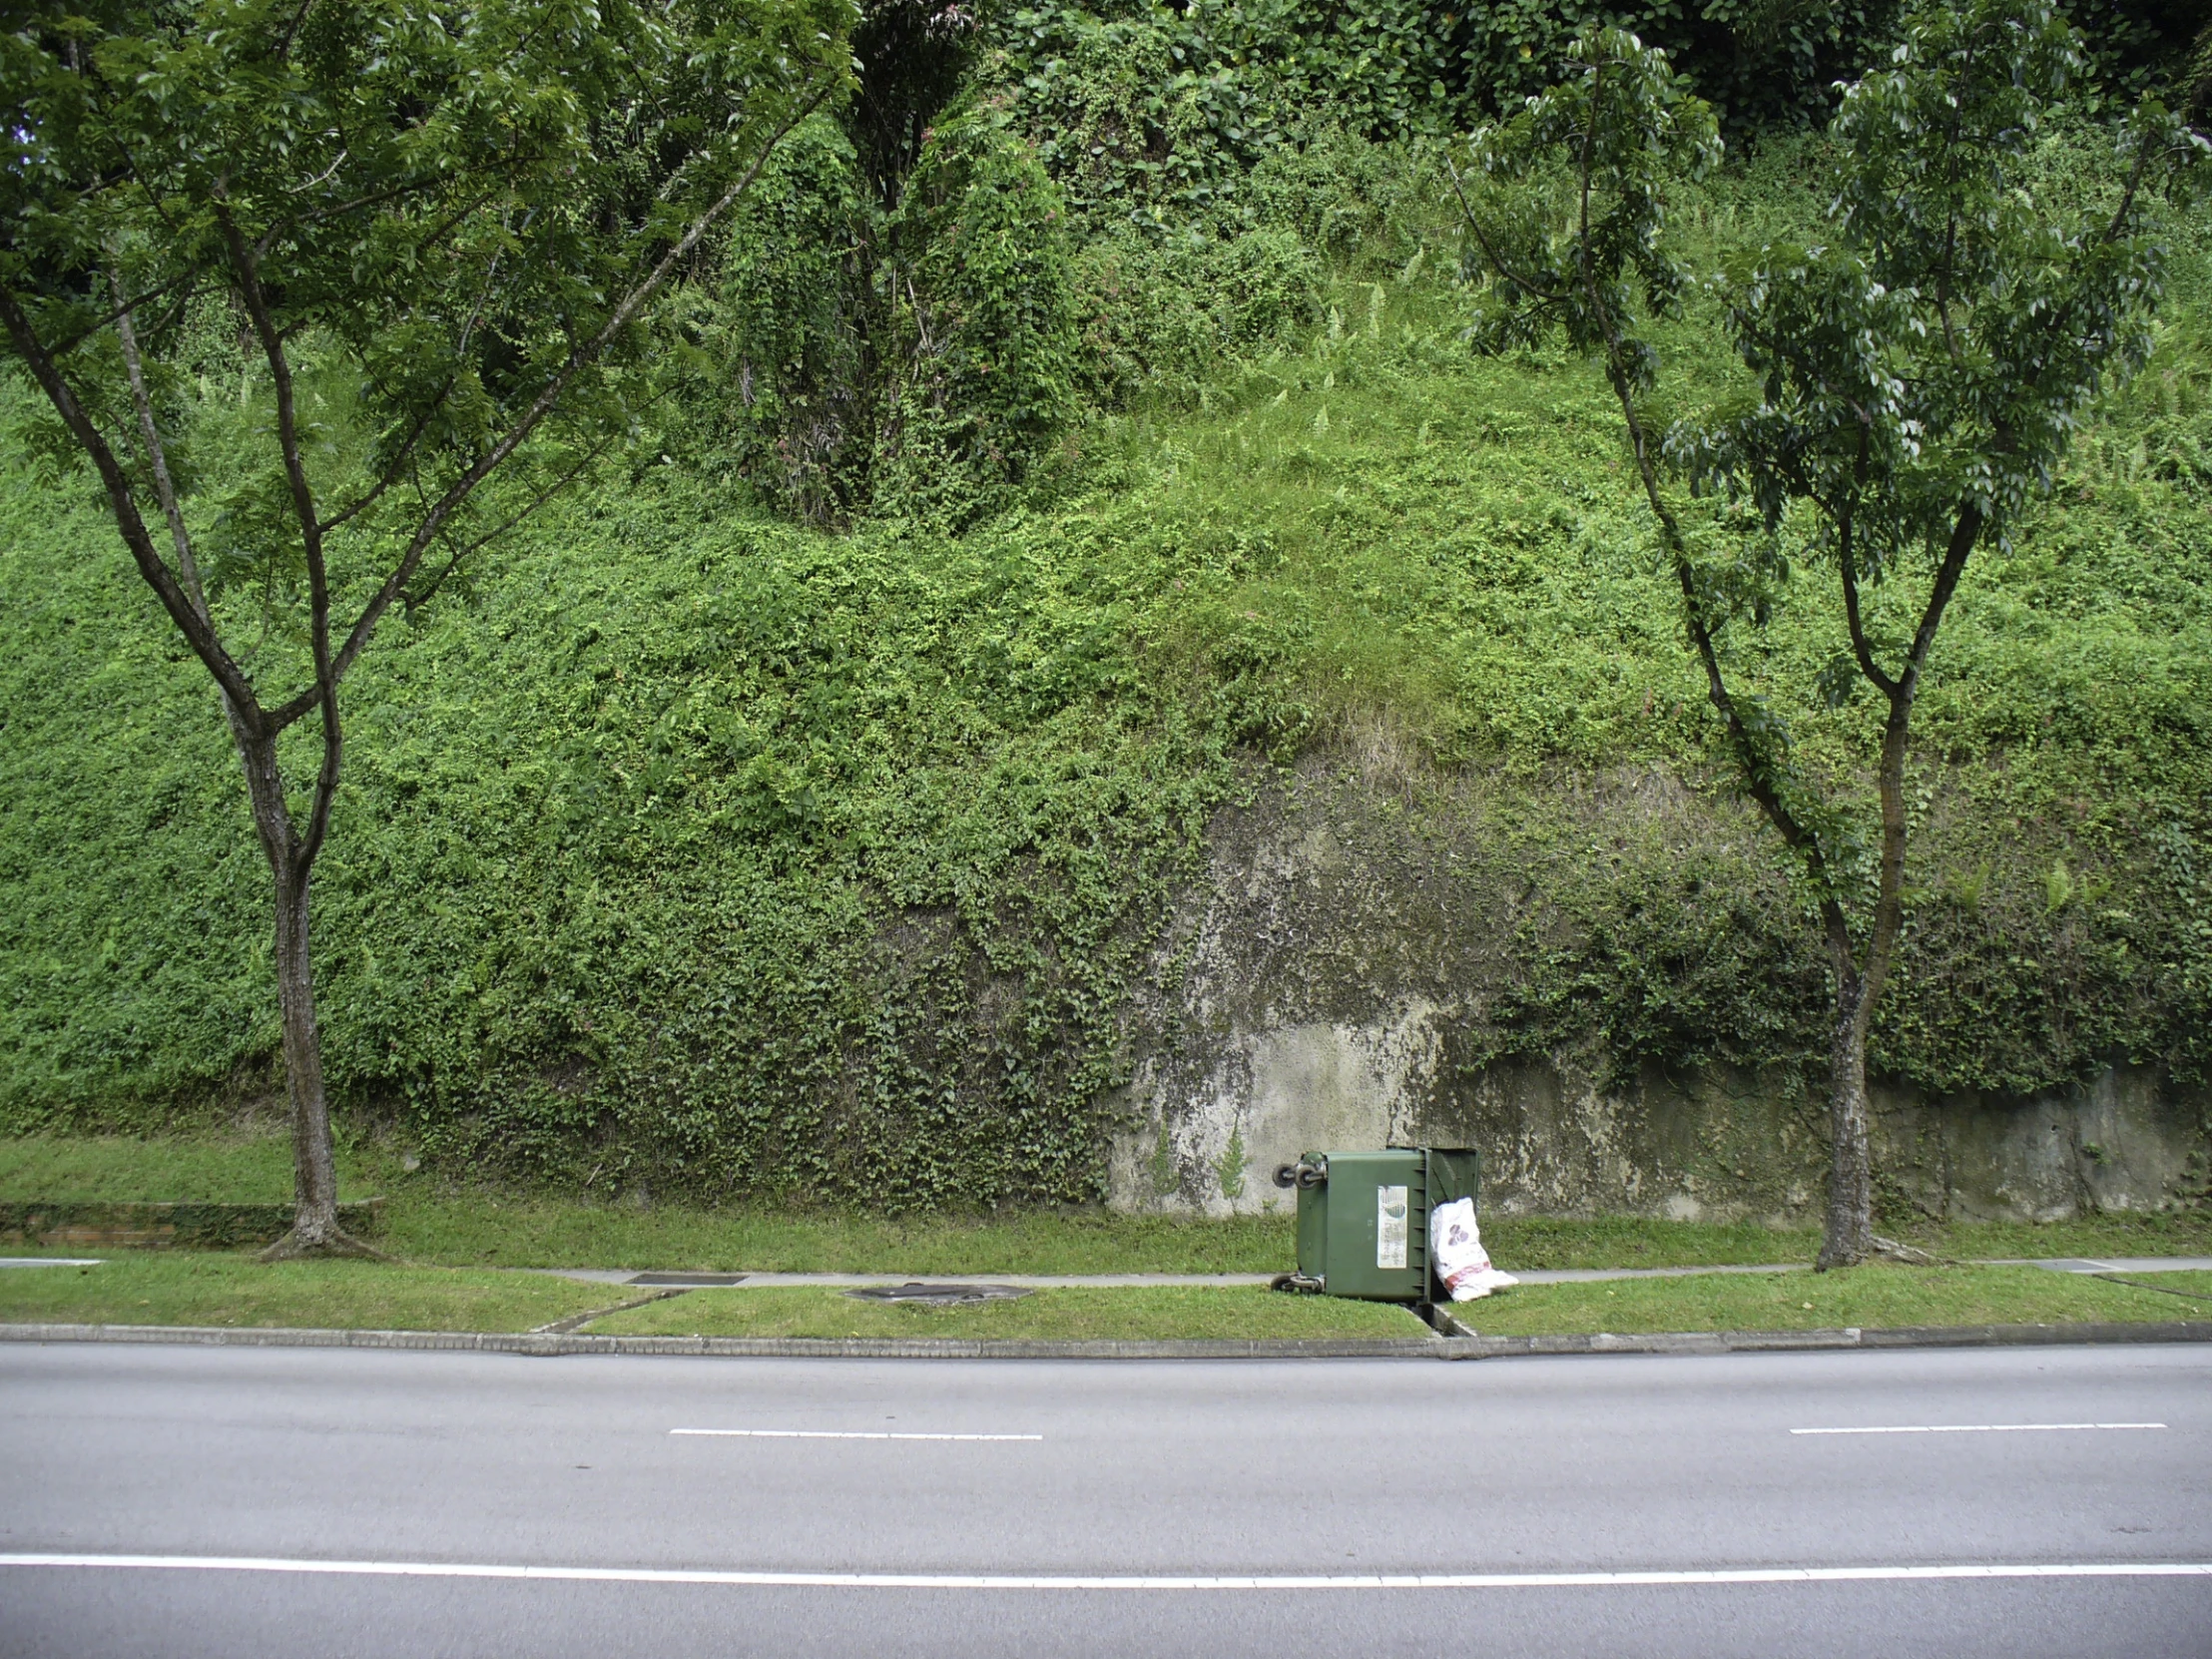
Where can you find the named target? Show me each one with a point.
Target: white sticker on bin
(1389, 1227)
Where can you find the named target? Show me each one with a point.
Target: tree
(431, 232)
(1916, 376)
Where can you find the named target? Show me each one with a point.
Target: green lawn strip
(506, 1229)
(1533, 1242)
(211, 1288)
(431, 1220)
(2180, 1289)
(1151, 1315)
(510, 1231)
(2167, 1232)
(1871, 1298)
(220, 1288)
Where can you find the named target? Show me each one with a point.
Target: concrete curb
(1477, 1347)
(550, 1344)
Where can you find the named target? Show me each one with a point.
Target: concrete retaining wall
(1319, 985)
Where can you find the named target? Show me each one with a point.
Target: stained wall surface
(1318, 991)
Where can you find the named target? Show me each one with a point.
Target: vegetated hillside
(689, 844)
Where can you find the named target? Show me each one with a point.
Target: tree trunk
(314, 1228)
(1848, 1238)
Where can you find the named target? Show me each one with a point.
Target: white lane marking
(1979, 1429)
(840, 1435)
(1070, 1581)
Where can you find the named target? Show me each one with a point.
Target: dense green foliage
(682, 844)
(1161, 108)
(891, 329)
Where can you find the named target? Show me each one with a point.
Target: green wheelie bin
(1362, 1218)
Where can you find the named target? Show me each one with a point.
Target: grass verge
(1533, 1242)
(2180, 1289)
(541, 1232)
(1177, 1313)
(2168, 1232)
(428, 1220)
(1871, 1298)
(220, 1288)
(223, 1288)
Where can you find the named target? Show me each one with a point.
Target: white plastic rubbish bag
(1456, 1246)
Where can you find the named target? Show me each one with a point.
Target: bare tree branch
(1847, 558)
(399, 463)
(1467, 210)
(1889, 910)
(198, 633)
(389, 194)
(1754, 765)
(311, 534)
(156, 455)
(411, 599)
(291, 30)
(580, 355)
(91, 330)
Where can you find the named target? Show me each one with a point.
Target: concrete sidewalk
(1136, 1281)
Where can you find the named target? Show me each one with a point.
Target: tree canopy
(437, 230)
(1916, 375)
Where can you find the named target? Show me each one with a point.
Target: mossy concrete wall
(1333, 982)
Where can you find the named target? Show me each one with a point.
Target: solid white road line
(1979, 1429)
(1070, 1581)
(840, 1435)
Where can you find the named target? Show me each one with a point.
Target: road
(441, 1468)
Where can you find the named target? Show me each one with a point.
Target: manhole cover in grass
(938, 1296)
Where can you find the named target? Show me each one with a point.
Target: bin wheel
(1295, 1283)
(1286, 1175)
(1308, 1176)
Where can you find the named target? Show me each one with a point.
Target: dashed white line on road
(840, 1435)
(1979, 1429)
(1070, 1581)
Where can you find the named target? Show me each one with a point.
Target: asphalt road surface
(237, 1502)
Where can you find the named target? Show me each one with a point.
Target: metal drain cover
(938, 1296)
